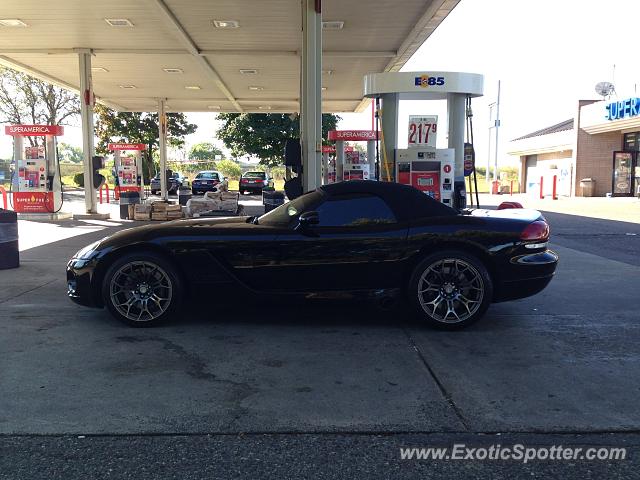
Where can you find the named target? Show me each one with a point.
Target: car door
(358, 244)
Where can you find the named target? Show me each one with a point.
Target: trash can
(271, 199)
(588, 187)
(184, 195)
(126, 199)
(9, 253)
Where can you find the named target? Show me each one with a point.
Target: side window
(353, 210)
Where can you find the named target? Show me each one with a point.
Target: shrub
(229, 168)
(78, 179)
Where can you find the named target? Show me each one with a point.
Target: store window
(631, 142)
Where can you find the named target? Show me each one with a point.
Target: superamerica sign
(623, 109)
(352, 135)
(127, 146)
(33, 130)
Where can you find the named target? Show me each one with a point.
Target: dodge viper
(356, 237)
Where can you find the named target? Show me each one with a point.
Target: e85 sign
(423, 131)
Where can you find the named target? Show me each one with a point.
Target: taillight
(506, 205)
(538, 230)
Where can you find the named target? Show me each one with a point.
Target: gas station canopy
(212, 56)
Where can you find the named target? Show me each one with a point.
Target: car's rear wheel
(142, 289)
(450, 289)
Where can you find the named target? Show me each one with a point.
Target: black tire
(154, 192)
(456, 278)
(241, 192)
(153, 273)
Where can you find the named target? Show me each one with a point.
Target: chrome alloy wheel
(140, 291)
(450, 290)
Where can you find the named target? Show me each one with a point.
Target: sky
(546, 53)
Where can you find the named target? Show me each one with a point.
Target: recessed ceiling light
(192, 87)
(99, 69)
(128, 87)
(213, 107)
(255, 88)
(265, 107)
(226, 23)
(324, 88)
(327, 72)
(173, 70)
(333, 25)
(119, 22)
(12, 22)
(248, 71)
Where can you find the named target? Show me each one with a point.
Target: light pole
(495, 163)
(487, 175)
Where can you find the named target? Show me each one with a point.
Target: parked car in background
(253, 182)
(205, 181)
(175, 181)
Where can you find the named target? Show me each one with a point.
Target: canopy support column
(339, 160)
(311, 94)
(457, 119)
(389, 125)
(162, 149)
(86, 117)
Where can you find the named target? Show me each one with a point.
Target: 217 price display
(423, 131)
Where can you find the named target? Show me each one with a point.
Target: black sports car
(346, 238)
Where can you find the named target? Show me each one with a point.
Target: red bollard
(541, 188)
(4, 197)
(511, 188)
(555, 190)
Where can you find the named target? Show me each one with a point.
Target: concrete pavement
(281, 390)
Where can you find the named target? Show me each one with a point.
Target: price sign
(423, 131)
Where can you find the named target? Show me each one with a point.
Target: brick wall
(594, 155)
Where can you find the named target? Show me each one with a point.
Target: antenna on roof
(605, 89)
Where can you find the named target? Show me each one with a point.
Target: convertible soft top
(406, 202)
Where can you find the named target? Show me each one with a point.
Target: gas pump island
(35, 186)
(127, 168)
(438, 172)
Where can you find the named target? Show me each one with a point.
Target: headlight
(87, 252)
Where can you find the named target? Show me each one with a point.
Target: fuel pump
(35, 185)
(127, 168)
(351, 164)
(420, 167)
(429, 170)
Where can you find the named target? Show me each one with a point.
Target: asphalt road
(321, 390)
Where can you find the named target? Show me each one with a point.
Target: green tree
(139, 127)
(27, 100)
(204, 151)
(69, 153)
(229, 168)
(264, 135)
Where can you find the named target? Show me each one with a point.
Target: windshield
(284, 213)
(255, 175)
(208, 176)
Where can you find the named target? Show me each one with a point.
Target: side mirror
(306, 219)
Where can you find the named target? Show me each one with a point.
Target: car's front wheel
(450, 289)
(142, 289)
